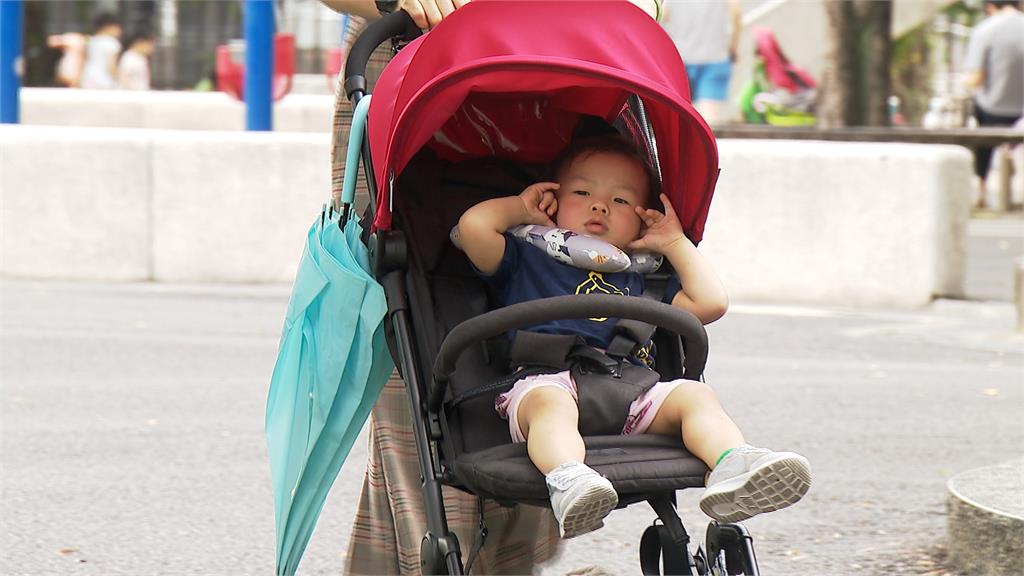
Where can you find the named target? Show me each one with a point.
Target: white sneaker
(749, 481)
(580, 498)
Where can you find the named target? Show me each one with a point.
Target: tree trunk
(837, 96)
(856, 84)
(876, 52)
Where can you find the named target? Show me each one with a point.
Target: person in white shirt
(100, 69)
(995, 71)
(133, 68)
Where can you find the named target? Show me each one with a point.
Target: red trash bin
(230, 68)
(332, 66)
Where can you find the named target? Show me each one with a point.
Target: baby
(602, 189)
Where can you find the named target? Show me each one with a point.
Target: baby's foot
(580, 498)
(749, 481)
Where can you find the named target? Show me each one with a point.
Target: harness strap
(499, 384)
(630, 336)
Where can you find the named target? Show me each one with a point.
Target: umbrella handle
(355, 145)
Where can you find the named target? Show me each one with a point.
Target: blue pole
(10, 60)
(259, 64)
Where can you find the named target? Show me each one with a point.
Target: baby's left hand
(661, 230)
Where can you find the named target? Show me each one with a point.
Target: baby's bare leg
(548, 417)
(693, 411)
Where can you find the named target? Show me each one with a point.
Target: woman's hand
(429, 13)
(425, 13)
(660, 230)
(539, 203)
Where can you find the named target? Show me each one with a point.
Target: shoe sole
(587, 513)
(772, 486)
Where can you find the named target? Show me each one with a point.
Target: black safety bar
(515, 316)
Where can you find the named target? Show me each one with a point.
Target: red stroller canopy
(579, 57)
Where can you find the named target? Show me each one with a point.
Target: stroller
(780, 93)
(472, 111)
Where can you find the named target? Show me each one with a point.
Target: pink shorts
(639, 418)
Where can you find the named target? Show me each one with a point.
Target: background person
(69, 68)
(101, 52)
(390, 519)
(707, 34)
(995, 70)
(133, 67)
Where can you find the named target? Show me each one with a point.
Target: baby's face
(598, 196)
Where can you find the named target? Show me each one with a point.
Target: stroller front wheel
(730, 550)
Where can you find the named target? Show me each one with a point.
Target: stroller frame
(728, 547)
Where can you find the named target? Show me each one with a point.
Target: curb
(985, 525)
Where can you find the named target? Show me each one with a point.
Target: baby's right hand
(540, 203)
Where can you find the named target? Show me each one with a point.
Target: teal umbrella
(332, 364)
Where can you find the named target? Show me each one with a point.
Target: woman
(390, 520)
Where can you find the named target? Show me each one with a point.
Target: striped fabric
(390, 520)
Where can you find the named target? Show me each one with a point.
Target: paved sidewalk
(132, 430)
(993, 242)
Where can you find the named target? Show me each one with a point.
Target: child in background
(133, 68)
(100, 69)
(602, 189)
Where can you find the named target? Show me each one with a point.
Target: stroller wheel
(700, 563)
(730, 550)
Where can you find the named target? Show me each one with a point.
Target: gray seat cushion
(636, 465)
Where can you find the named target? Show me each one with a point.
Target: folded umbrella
(332, 364)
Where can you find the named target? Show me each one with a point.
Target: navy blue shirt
(528, 273)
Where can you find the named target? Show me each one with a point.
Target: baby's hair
(609, 144)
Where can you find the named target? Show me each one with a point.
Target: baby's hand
(540, 203)
(660, 230)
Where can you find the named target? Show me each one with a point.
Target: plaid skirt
(390, 519)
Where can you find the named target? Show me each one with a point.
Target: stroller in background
(472, 111)
(780, 93)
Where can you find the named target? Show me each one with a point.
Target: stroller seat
(637, 466)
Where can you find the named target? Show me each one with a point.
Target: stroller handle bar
(474, 330)
(396, 24)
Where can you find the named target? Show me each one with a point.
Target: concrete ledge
(832, 223)
(844, 223)
(75, 204)
(125, 204)
(985, 526)
(235, 207)
(167, 110)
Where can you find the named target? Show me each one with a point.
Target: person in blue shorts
(707, 33)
